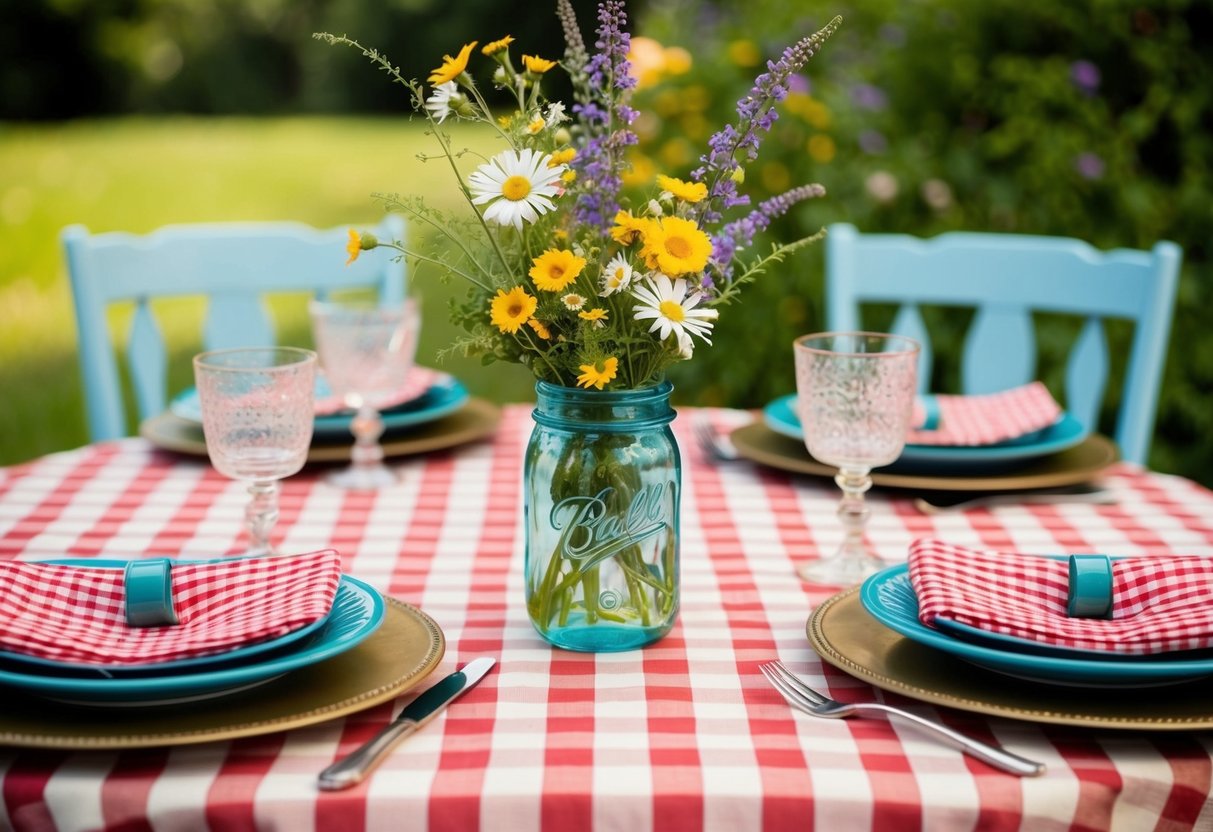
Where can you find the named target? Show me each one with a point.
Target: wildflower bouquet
(592, 290)
(566, 275)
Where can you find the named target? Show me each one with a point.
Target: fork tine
(796, 682)
(788, 693)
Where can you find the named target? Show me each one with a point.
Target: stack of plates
(434, 411)
(1065, 453)
(889, 597)
(357, 611)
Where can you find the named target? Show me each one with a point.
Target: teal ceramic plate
(357, 611)
(780, 416)
(441, 399)
(890, 599)
(240, 654)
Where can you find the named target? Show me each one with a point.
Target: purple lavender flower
(610, 82)
(740, 233)
(1089, 165)
(799, 84)
(755, 115)
(1085, 75)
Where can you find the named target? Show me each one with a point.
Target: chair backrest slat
(235, 266)
(1006, 278)
(999, 350)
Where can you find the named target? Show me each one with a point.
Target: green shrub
(1087, 119)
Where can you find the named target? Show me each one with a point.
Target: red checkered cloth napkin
(419, 381)
(77, 613)
(989, 418)
(1159, 604)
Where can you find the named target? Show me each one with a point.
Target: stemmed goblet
(257, 417)
(855, 394)
(367, 351)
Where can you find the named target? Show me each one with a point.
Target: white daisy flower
(573, 301)
(617, 276)
(439, 104)
(517, 185)
(671, 305)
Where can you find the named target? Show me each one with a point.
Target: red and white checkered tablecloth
(684, 735)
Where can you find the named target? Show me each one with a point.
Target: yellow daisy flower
(452, 68)
(628, 229)
(598, 374)
(537, 65)
(354, 246)
(568, 177)
(596, 316)
(536, 126)
(676, 246)
(555, 269)
(686, 191)
(496, 46)
(562, 157)
(510, 310)
(540, 329)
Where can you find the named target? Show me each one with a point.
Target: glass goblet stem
(853, 510)
(367, 427)
(261, 515)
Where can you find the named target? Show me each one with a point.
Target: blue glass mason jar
(601, 486)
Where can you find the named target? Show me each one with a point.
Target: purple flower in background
(869, 97)
(873, 142)
(1085, 76)
(755, 115)
(1089, 165)
(799, 84)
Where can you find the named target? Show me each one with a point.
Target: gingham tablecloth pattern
(684, 735)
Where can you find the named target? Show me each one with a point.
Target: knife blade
(353, 768)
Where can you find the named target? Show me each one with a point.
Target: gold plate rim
(1075, 465)
(402, 652)
(475, 420)
(846, 636)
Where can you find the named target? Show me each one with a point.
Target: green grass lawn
(135, 175)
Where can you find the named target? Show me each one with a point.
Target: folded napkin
(1159, 603)
(989, 418)
(77, 613)
(418, 381)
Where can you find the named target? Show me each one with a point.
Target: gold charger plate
(848, 637)
(475, 420)
(405, 648)
(1075, 465)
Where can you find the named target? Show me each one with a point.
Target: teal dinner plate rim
(780, 416)
(441, 399)
(1054, 669)
(333, 638)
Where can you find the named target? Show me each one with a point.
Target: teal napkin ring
(149, 593)
(1090, 587)
(931, 413)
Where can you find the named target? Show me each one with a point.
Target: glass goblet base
(846, 567)
(362, 477)
(367, 471)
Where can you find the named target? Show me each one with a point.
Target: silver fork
(804, 698)
(714, 445)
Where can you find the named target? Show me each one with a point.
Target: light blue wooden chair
(1004, 278)
(235, 266)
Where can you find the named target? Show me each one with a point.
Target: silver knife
(358, 764)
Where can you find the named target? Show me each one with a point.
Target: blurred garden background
(1091, 119)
